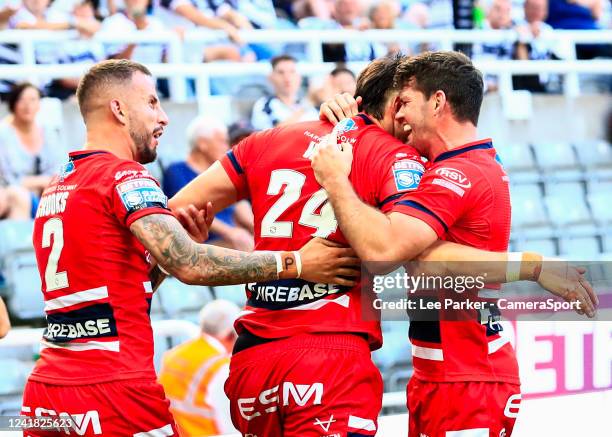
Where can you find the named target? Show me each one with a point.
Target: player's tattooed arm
(201, 264)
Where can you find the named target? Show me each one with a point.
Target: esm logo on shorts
(269, 400)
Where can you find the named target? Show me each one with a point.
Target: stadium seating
(179, 300)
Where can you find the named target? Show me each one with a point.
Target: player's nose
(162, 117)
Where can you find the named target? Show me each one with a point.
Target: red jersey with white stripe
(272, 169)
(94, 271)
(464, 197)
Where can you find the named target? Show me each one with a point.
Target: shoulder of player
(124, 170)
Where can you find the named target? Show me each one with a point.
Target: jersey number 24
(324, 222)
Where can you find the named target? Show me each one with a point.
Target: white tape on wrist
(513, 266)
(279, 263)
(159, 266)
(298, 263)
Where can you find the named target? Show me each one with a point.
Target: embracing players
(98, 226)
(302, 365)
(465, 378)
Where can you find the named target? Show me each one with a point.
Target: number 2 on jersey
(54, 280)
(324, 222)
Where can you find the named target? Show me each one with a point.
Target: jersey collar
(84, 154)
(480, 144)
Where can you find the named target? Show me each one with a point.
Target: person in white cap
(193, 373)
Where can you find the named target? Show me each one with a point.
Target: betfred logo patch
(455, 176)
(407, 174)
(141, 193)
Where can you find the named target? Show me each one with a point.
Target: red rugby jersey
(464, 197)
(272, 169)
(94, 271)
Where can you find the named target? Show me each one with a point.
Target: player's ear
(439, 101)
(118, 109)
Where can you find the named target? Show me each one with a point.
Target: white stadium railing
(177, 69)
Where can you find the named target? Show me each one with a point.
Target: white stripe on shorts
(159, 432)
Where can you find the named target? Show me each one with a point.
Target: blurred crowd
(30, 151)
(531, 19)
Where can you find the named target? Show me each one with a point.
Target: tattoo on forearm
(211, 265)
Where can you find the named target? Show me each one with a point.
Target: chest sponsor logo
(66, 170)
(454, 176)
(289, 293)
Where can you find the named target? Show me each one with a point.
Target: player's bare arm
(194, 263)
(390, 246)
(213, 185)
(557, 276)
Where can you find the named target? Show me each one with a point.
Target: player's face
(146, 117)
(413, 117)
(28, 105)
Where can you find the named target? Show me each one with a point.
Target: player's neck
(450, 137)
(110, 140)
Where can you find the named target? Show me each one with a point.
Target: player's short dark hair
(105, 73)
(341, 69)
(280, 58)
(15, 94)
(376, 82)
(451, 72)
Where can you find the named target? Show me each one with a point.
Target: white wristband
(298, 263)
(513, 266)
(159, 266)
(279, 263)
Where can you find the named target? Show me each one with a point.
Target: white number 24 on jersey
(325, 222)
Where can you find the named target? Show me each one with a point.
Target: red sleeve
(237, 161)
(442, 197)
(400, 172)
(135, 194)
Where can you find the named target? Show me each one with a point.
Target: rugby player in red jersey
(465, 378)
(98, 224)
(302, 366)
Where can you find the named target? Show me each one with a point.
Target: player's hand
(330, 263)
(340, 107)
(331, 160)
(196, 221)
(562, 279)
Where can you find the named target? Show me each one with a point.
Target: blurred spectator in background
(533, 44)
(5, 323)
(134, 17)
(349, 14)
(193, 374)
(580, 15)
(383, 15)
(284, 106)
(15, 202)
(249, 14)
(78, 51)
(9, 53)
(498, 18)
(30, 153)
(36, 14)
(208, 142)
(182, 15)
(321, 9)
(340, 80)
